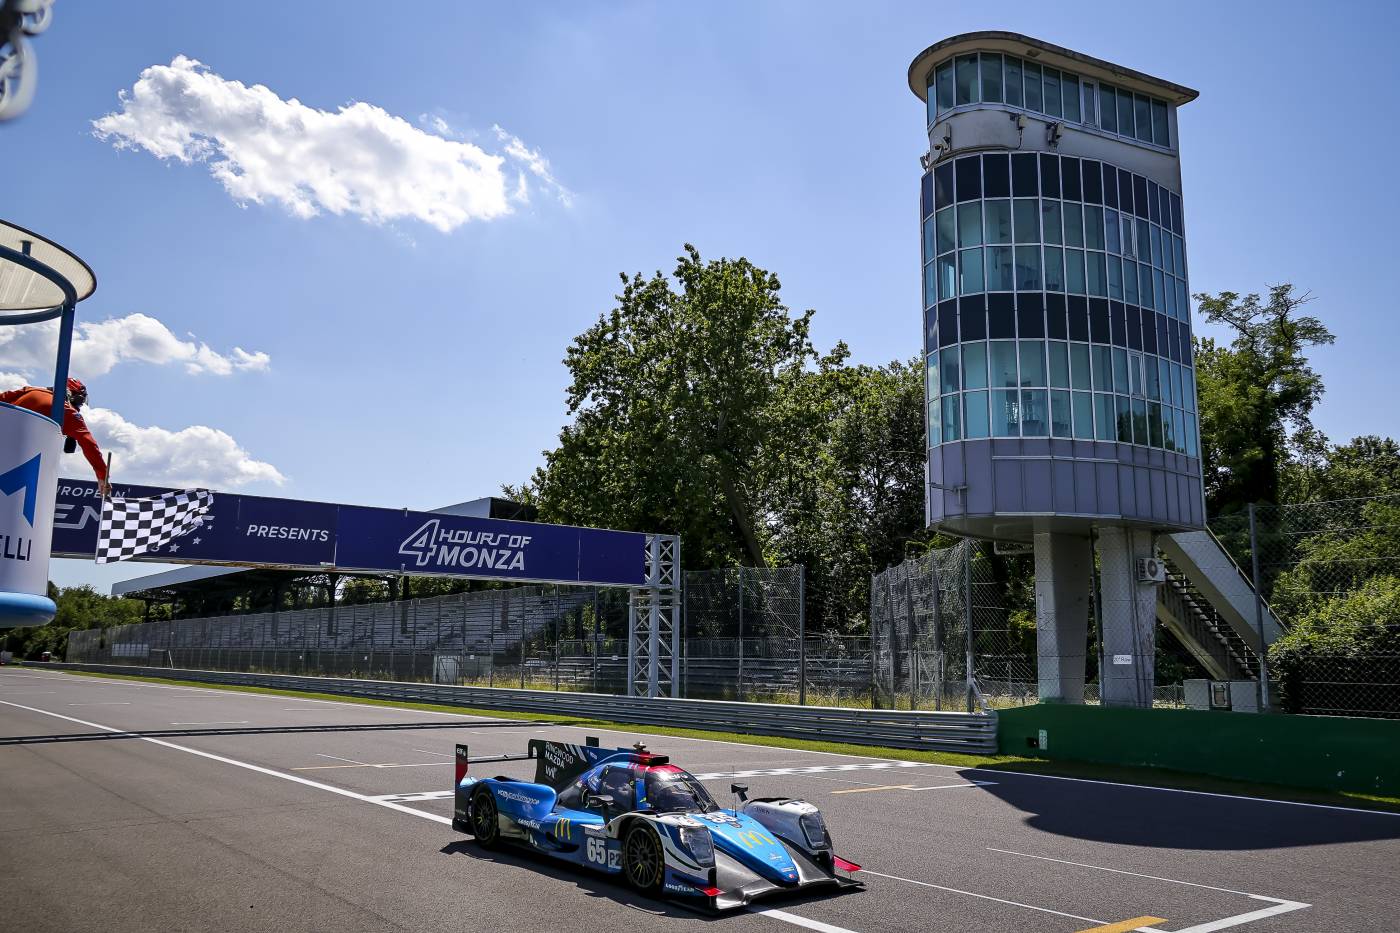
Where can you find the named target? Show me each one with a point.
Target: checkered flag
(137, 526)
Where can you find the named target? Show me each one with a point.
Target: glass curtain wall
(1056, 302)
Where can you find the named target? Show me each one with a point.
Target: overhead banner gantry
(259, 531)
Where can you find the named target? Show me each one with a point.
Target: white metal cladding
(974, 733)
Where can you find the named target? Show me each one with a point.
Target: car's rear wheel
(486, 824)
(643, 862)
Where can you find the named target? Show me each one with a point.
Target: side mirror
(601, 801)
(740, 790)
(69, 445)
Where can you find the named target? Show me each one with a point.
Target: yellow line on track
(1126, 926)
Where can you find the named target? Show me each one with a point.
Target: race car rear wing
(557, 765)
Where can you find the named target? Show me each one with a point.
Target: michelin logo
(434, 546)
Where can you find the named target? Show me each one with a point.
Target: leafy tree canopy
(79, 607)
(700, 407)
(1256, 395)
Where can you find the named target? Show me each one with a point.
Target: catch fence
(1330, 571)
(943, 634)
(743, 639)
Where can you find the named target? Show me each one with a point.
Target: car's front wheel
(486, 824)
(642, 860)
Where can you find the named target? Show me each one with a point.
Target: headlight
(815, 831)
(697, 840)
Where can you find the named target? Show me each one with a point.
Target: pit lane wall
(1334, 753)
(974, 733)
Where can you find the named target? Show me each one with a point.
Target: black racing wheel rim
(641, 859)
(485, 825)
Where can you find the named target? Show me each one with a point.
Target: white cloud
(536, 165)
(12, 381)
(98, 346)
(192, 456)
(358, 160)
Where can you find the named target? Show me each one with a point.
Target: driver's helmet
(617, 782)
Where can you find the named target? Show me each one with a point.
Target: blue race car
(629, 812)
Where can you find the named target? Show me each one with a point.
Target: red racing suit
(41, 401)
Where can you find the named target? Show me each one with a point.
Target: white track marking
(353, 761)
(795, 920)
(1280, 906)
(415, 798)
(784, 916)
(968, 784)
(983, 897)
(879, 765)
(108, 703)
(962, 768)
(248, 766)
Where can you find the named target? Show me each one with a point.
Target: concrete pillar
(1062, 576)
(1129, 626)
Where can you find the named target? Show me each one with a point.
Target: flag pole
(109, 477)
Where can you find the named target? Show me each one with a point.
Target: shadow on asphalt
(1154, 818)
(254, 730)
(592, 884)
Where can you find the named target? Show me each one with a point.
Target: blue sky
(413, 357)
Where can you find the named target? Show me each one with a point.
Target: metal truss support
(654, 623)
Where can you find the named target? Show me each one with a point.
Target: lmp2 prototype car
(629, 812)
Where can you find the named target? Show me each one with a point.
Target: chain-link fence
(921, 614)
(493, 638)
(1330, 571)
(743, 638)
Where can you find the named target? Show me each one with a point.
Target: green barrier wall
(1321, 752)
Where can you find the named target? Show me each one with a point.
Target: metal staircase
(1190, 617)
(1209, 605)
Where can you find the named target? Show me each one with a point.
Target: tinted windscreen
(677, 790)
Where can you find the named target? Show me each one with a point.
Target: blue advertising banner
(236, 530)
(259, 531)
(429, 543)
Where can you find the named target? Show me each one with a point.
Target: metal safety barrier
(974, 733)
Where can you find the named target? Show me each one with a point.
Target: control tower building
(1060, 384)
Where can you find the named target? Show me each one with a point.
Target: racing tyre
(486, 824)
(643, 862)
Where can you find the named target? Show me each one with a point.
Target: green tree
(1345, 648)
(1256, 395)
(672, 399)
(1365, 466)
(1352, 543)
(845, 494)
(79, 607)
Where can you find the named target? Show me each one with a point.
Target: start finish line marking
(707, 776)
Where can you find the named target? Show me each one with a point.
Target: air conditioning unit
(1151, 570)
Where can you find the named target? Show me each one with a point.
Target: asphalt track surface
(235, 811)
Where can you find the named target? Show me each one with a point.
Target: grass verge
(1145, 777)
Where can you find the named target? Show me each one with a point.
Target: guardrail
(973, 733)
